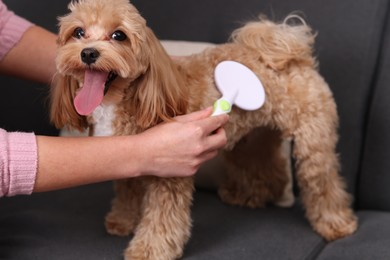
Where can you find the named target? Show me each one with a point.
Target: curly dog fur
(150, 88)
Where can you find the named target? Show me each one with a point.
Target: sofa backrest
(374, 181)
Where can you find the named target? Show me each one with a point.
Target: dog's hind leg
(311, 120)
(165, 223)
(257, 171)
(327, 204)
(125, 208)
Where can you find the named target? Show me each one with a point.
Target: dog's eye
(78, 33)
(119, 36)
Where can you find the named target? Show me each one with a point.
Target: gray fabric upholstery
(58, 225)
(69, 224)
(352, 47)
(374, 192)
(370, 242)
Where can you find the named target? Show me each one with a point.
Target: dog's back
(278, 43)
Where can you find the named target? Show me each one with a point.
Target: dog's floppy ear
(160, 93)
(62, 112)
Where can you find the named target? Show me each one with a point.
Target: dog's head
(104, 47)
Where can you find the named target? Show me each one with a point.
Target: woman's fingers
(212, 123)
(216, 141)
(194, 116)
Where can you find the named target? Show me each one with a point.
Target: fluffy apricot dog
(115, 77)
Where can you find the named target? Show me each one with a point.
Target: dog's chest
(103, 118)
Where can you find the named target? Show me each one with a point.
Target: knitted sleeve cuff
(12, 28)
(19, 163)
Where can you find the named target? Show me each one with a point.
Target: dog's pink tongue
(91, 94)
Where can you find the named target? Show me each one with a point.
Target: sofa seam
(317, 249)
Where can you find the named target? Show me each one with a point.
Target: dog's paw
(335, 226)
(146, 251)
(118, 226)
(241, 198)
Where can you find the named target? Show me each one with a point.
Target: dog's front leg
(165, 223)
(126, 207)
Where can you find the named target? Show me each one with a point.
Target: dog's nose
(89, 55)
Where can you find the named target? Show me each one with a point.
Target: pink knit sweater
(18, 151)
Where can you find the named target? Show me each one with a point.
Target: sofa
(352, 47)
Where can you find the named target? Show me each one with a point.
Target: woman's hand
(178, 148)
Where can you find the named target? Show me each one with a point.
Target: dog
(137, 86)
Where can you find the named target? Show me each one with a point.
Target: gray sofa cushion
(370, 242)
(69, 224)
(66, 224)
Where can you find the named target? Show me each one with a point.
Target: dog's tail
(278, 44)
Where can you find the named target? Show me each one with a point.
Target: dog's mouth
(96, 85)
